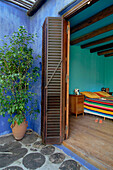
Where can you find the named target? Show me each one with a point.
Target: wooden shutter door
(66, 51)
(54, 70)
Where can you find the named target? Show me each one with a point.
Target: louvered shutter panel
(53, 81)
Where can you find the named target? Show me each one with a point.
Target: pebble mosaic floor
(30, 153)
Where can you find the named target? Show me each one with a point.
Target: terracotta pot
(19, 130)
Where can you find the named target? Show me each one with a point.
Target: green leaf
(17, 76)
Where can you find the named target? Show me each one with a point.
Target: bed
(100, 106)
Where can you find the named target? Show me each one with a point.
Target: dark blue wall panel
(11, 17)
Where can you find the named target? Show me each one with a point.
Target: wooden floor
(92, 141)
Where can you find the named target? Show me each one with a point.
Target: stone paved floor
(30, 153)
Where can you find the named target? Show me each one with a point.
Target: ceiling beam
(19, 4)
(35, 7)
(105, 52)
(109, 38)
(84, 4)
(32, 1)
(93, 34)
(26, 4)
(100, 48)
(108, 55)
(100, 15)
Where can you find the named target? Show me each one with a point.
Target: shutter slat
(55, 23)
(55, 41)
(53, 48)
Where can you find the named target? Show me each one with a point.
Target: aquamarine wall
(109, 73)
(87, 71)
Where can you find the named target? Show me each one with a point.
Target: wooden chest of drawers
(76, 104)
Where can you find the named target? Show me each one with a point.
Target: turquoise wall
(87, 71)
(109, 73)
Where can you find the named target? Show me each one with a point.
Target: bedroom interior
(91, 68)
(91, 61)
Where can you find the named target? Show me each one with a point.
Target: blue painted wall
(11, 17)
(87, 71)
(89, 67)
(49, 9)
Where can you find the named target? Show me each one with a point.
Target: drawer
(76, 104)
(80, 99)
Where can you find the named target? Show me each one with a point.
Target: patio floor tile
(30, 153)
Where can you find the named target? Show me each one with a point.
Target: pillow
(103, 94)
(90, 94)
(99, 94)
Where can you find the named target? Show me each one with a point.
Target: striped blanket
(100, 107)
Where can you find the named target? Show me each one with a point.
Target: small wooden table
(76, 104)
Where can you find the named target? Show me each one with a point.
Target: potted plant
(17, 76)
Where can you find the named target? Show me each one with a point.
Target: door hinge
(66, 128)
(67, 77)
(67, 29)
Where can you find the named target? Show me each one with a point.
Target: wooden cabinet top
(76, 95)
